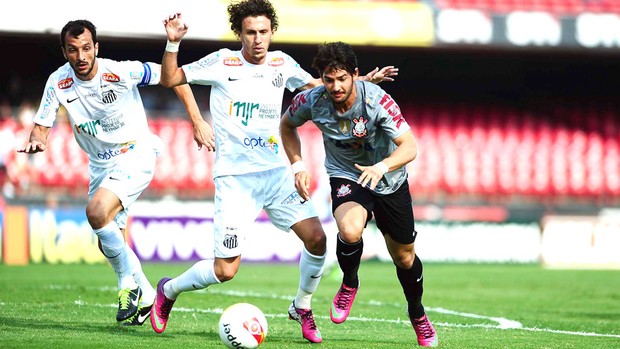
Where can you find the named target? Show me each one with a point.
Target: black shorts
(393, 212)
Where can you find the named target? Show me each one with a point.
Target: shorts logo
(359, 128)
(344, 190)
(230, 241)
(65, 83)
(293, 199)
(110, 77)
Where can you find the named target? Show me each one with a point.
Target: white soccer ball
(242, 325)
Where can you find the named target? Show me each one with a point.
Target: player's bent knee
(404, 260)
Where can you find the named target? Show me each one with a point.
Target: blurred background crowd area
(503, 114)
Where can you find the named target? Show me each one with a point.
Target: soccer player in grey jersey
(367, 143)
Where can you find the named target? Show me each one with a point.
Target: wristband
(382, 166)
(172, 46)
(298, 166)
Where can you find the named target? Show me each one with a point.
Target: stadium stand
(490, 152)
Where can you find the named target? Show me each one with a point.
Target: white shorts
(131, 175)
(239, 200)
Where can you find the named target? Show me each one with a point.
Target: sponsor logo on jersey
(276, 62)
(252, 110)
(393, 109)
(134, 75)
(298, 100)
(359, 127)
(111, 153)
(355, 143)
(110, 77)
(108, 96)
(271, 143)
(112, 123)
(344, 190)
(65, 83)
(233, 61)
(89, 127)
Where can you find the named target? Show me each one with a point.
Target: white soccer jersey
(246, 105)
(106, 113)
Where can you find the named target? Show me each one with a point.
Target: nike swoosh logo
(419, 279)
(316, 276)
(349, 254)
(233, 79)
(134, 302)
(143, 317)
(114, 179)
(72, 100)
(335, 312)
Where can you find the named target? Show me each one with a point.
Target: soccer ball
(242, 325)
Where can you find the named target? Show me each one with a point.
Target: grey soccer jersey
(363, 135)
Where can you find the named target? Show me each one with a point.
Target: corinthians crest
(359, 127)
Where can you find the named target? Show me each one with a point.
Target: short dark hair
(76, 28)
(251, 8)
(335, 55)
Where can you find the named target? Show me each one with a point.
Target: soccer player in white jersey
(109, 123)
(367, 144)
(250, 172)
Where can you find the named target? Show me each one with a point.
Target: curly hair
(335, 56)
(237, 12)
(76, 28)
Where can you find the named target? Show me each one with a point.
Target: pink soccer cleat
(341, 306)
(161, 308)
(306, 319)
(427, 337)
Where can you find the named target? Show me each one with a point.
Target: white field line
(502, 323)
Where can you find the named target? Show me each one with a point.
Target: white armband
(172, 46)
(298, 166)
(382, 166)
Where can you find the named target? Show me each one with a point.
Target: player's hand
(302, 183)
(377, 76)
(32, 147)
(204, 136)
(175, 27)
(370, 174)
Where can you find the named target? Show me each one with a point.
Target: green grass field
(472, 306)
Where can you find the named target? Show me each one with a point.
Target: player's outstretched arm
(377, 75)
(171, 74)
(37, 141)
(203, 133)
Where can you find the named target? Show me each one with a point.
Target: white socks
(200, 276)
(311, 270)
(114, 249)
